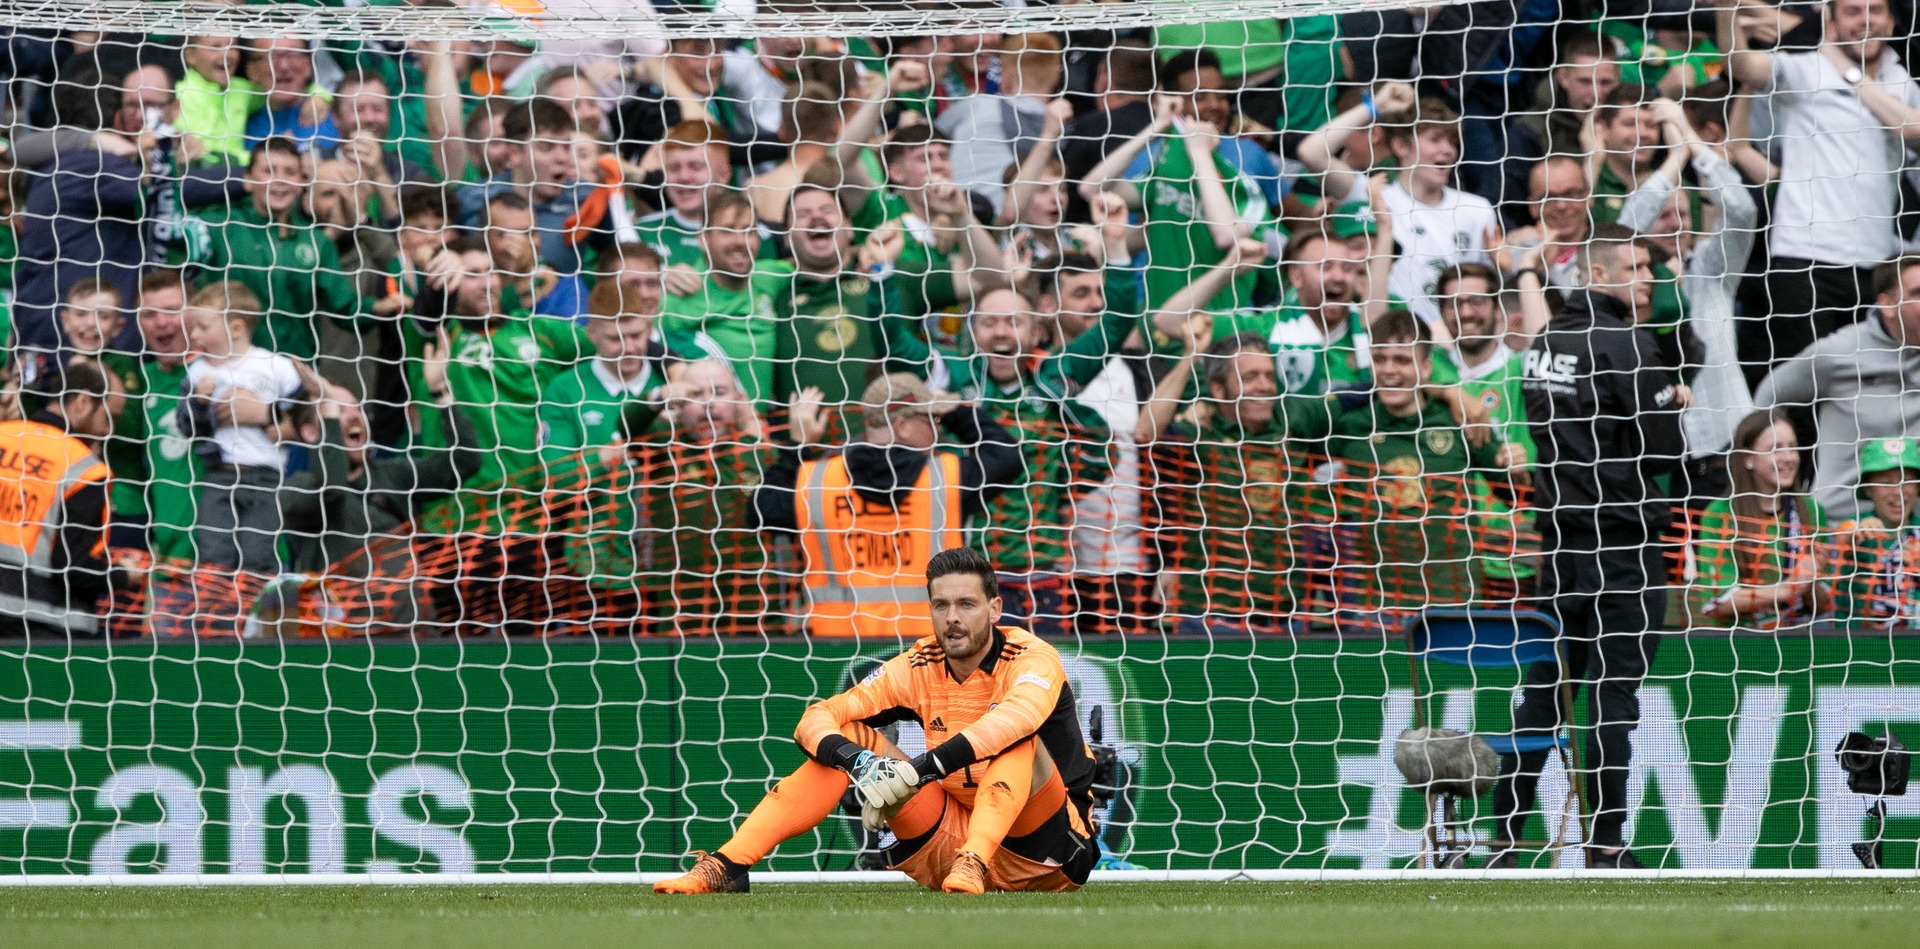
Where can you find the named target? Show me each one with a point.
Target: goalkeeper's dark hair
(963, 560)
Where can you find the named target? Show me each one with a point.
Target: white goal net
(462, 438)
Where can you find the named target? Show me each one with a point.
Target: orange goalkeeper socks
(799, 802)
(1004, 788)
(1041, 805)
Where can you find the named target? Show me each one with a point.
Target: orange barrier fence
(657, 541)
(1263, 536)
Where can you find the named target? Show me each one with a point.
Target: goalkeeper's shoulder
(1023, 646)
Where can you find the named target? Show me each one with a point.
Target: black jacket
(1601, 405)
(328, 515)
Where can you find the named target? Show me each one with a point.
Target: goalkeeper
(1001, 800)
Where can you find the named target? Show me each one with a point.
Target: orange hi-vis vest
(40, 468)
(866, 561)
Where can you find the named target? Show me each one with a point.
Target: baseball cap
(1887, 454)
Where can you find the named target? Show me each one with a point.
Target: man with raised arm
(1845, 114)
(1001, 798)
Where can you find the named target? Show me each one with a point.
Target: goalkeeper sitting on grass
(1001, 800)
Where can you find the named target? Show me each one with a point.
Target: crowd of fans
(1225, 324)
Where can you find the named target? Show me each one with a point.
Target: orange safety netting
(1763, 571)
(656, 541)
(1256, 533)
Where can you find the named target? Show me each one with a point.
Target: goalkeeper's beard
(961, 642)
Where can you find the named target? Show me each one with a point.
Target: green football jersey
(1064, 440)
(673, 237)
(1405, 497)
(1723, 559)
(1311, 363)
(737, 324)
(582, 406)
(497, 375)
(173, 469)
(293, 269)
(1180, 246)
(1498, 389)
(1227, 499)
(831, 335)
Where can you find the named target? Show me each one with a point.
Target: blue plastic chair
(1485, 639)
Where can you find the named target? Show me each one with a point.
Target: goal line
(1100, 877)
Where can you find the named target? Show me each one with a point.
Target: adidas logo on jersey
(936, 725)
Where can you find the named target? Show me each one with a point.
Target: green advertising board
(602, 755)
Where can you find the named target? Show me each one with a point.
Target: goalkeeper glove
(882, 782)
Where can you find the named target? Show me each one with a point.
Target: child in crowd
(242, 396)
(1874, 568)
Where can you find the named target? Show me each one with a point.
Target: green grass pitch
(1560, 914)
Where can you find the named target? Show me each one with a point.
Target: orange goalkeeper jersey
(1020, 691)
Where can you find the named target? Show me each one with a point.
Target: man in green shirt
(423, 108)
(1026, 533)
(172, 468)
(832, 329)
(1228, 488)
(732, 316)
(271, 246)
(1630, 129)
(1489, 372)
(678, 525)
(697, 169)
(500, 365)
(1319, 334)
(927, 233)
(1195, 204)
(583, 406)
(1285, 69)
(1481, 362)
(1401, 477)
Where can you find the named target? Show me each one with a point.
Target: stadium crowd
(1234, 325)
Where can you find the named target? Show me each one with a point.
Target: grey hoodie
(1863, 384)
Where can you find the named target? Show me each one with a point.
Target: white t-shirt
(1106, 520)
(264, 373)
(1839, 165)
(1432, 237)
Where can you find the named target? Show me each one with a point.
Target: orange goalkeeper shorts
(1056, 857)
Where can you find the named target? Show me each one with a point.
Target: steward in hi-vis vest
(870, 516)
(54, 509)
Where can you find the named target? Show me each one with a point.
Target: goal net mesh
(448, 436)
